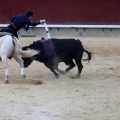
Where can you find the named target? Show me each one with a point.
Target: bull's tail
(89, 56)
(27, 53)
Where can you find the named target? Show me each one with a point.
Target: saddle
(4, 33)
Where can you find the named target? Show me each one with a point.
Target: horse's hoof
(23, 76)
(6, 82)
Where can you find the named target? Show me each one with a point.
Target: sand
(95, 96)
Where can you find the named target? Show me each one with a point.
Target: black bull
(66, 50)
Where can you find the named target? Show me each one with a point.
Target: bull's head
(34, 46)
(27, 61)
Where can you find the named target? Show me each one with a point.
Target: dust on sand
(95, 96)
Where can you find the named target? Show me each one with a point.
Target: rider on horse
(21, 21)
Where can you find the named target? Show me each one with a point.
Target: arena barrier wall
(71, 30)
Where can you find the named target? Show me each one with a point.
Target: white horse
(9, 48)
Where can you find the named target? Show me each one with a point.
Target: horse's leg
(4, 60)
(18, 58)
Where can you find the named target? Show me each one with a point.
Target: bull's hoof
(62, 72)
(57, 76)
(75, 77)
(6, 82)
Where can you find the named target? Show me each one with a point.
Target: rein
(14, 26)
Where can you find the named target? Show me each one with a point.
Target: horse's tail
(89, 56)
(27, 53)
(23, 53)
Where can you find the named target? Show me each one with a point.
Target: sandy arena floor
(95, 96)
